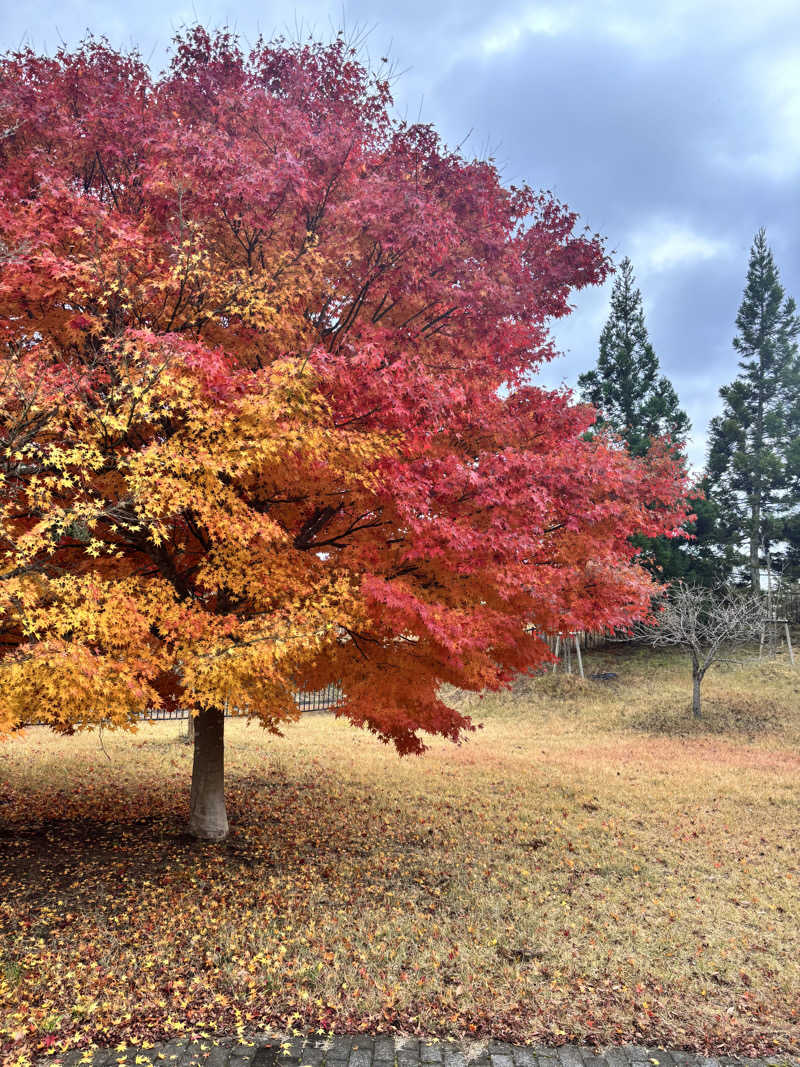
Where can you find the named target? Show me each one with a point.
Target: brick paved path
(362, 1051)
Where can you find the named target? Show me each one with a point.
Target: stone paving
(388, 1051)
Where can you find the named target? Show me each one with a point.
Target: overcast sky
(672, 128)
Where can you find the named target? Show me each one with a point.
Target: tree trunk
(208, 820)
(697, 678)
(755, 544)
(756, 497)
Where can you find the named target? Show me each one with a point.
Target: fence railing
(325, 699)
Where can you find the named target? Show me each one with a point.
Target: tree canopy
(633, 399)
(640, 405)
(266, 411)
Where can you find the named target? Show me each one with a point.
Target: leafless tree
(708, 623)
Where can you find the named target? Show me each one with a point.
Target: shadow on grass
(87, 847)
(738, 717)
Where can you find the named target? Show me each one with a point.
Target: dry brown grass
(590, 865)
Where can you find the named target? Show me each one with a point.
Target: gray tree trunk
(755, 545)
(756, 497)
(697, 679)
(208, 820)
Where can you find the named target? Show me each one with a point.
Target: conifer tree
(705, 559)
(753, 463)
(631, 397)
(636, 402)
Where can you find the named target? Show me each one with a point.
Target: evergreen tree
(707, 558)
(790, 535)
(754, 460)
(631, 397)
(636, 402)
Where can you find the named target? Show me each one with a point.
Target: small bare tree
(708, 623)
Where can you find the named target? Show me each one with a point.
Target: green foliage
(754, 452)
(791, 538)
(701, 560)
(632, 399)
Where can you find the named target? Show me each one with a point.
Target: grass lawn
(591, 866)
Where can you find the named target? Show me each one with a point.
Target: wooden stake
(578, 654)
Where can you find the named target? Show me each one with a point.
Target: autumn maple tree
(267, 415)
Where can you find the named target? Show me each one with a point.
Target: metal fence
(326, 699)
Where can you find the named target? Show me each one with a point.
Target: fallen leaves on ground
(554, 879)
